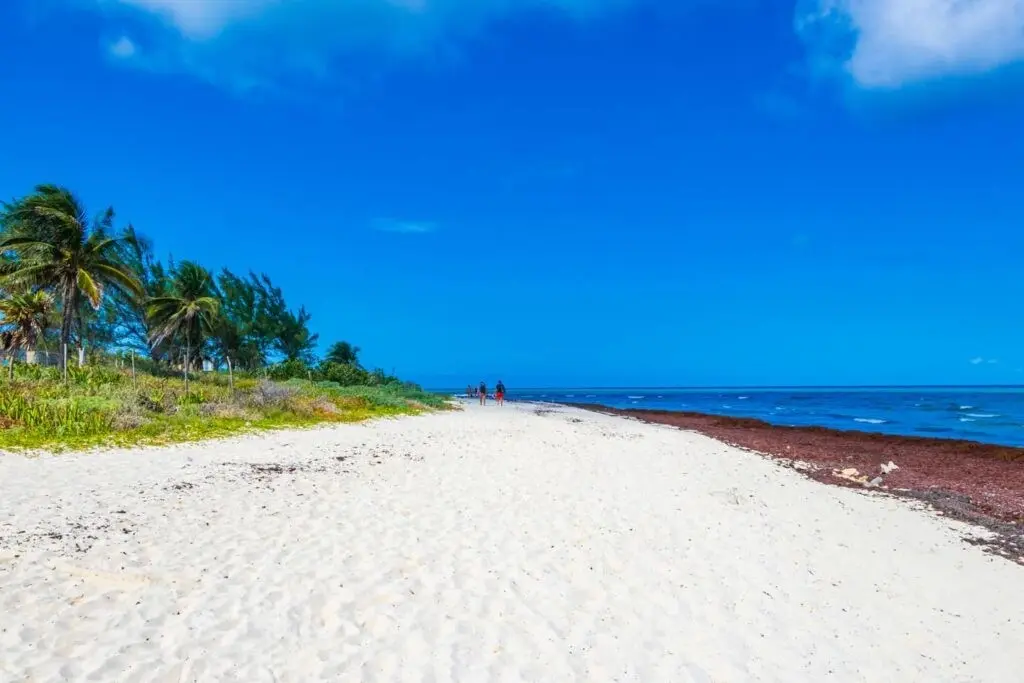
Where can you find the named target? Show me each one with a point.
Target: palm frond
(119, 276)
(92, 290)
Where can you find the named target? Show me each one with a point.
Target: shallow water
(987, 414)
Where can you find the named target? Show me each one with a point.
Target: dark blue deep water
(987, 414)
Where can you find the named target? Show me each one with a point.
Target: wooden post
(134, 385)
(231, 377)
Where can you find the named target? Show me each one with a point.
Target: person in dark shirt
(483, 393)
(499, 393)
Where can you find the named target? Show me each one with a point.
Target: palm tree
(343, 353)
(56, 247)
(26, 316)
(188, 312)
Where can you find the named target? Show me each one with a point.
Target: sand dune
(484, 545)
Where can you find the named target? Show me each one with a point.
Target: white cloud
(876, 44)
(979, 361)
(885, 44)
(122, 48)
(403, 227)
(250, 43)
(202, 19)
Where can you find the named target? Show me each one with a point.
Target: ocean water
(986, 414)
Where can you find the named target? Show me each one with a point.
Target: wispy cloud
(886, 44)
(403, 227)
(874, 44)
(983, 361)
(244, 43)
(122, 48)
(202, 19)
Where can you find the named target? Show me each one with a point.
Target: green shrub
(62, 417)
(342, 374)
(290, 369)
(193, 398)
(36, 373)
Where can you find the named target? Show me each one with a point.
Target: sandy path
(484, 545)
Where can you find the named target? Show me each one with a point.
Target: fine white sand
(484, 545)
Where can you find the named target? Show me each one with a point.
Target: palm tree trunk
(187, 351)
(80, 338)
(70, 303)
(65, 335)
(30, 356)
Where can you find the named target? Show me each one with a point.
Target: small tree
(343, 353)
(187, 313)
(294, 339)
(26, 316)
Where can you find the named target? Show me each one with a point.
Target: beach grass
(102, 406)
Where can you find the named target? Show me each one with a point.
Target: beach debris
(852, 474)
(798, 465)
(889, 468)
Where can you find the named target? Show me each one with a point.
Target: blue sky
(563, 192)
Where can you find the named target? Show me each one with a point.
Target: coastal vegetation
(106, 344)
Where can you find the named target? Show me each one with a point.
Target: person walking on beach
(469, 391)
(499, 393)
(483, 393)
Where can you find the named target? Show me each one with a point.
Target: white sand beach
(484, 545)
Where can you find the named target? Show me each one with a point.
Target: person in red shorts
(499, 393)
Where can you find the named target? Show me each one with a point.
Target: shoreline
(970, 481)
